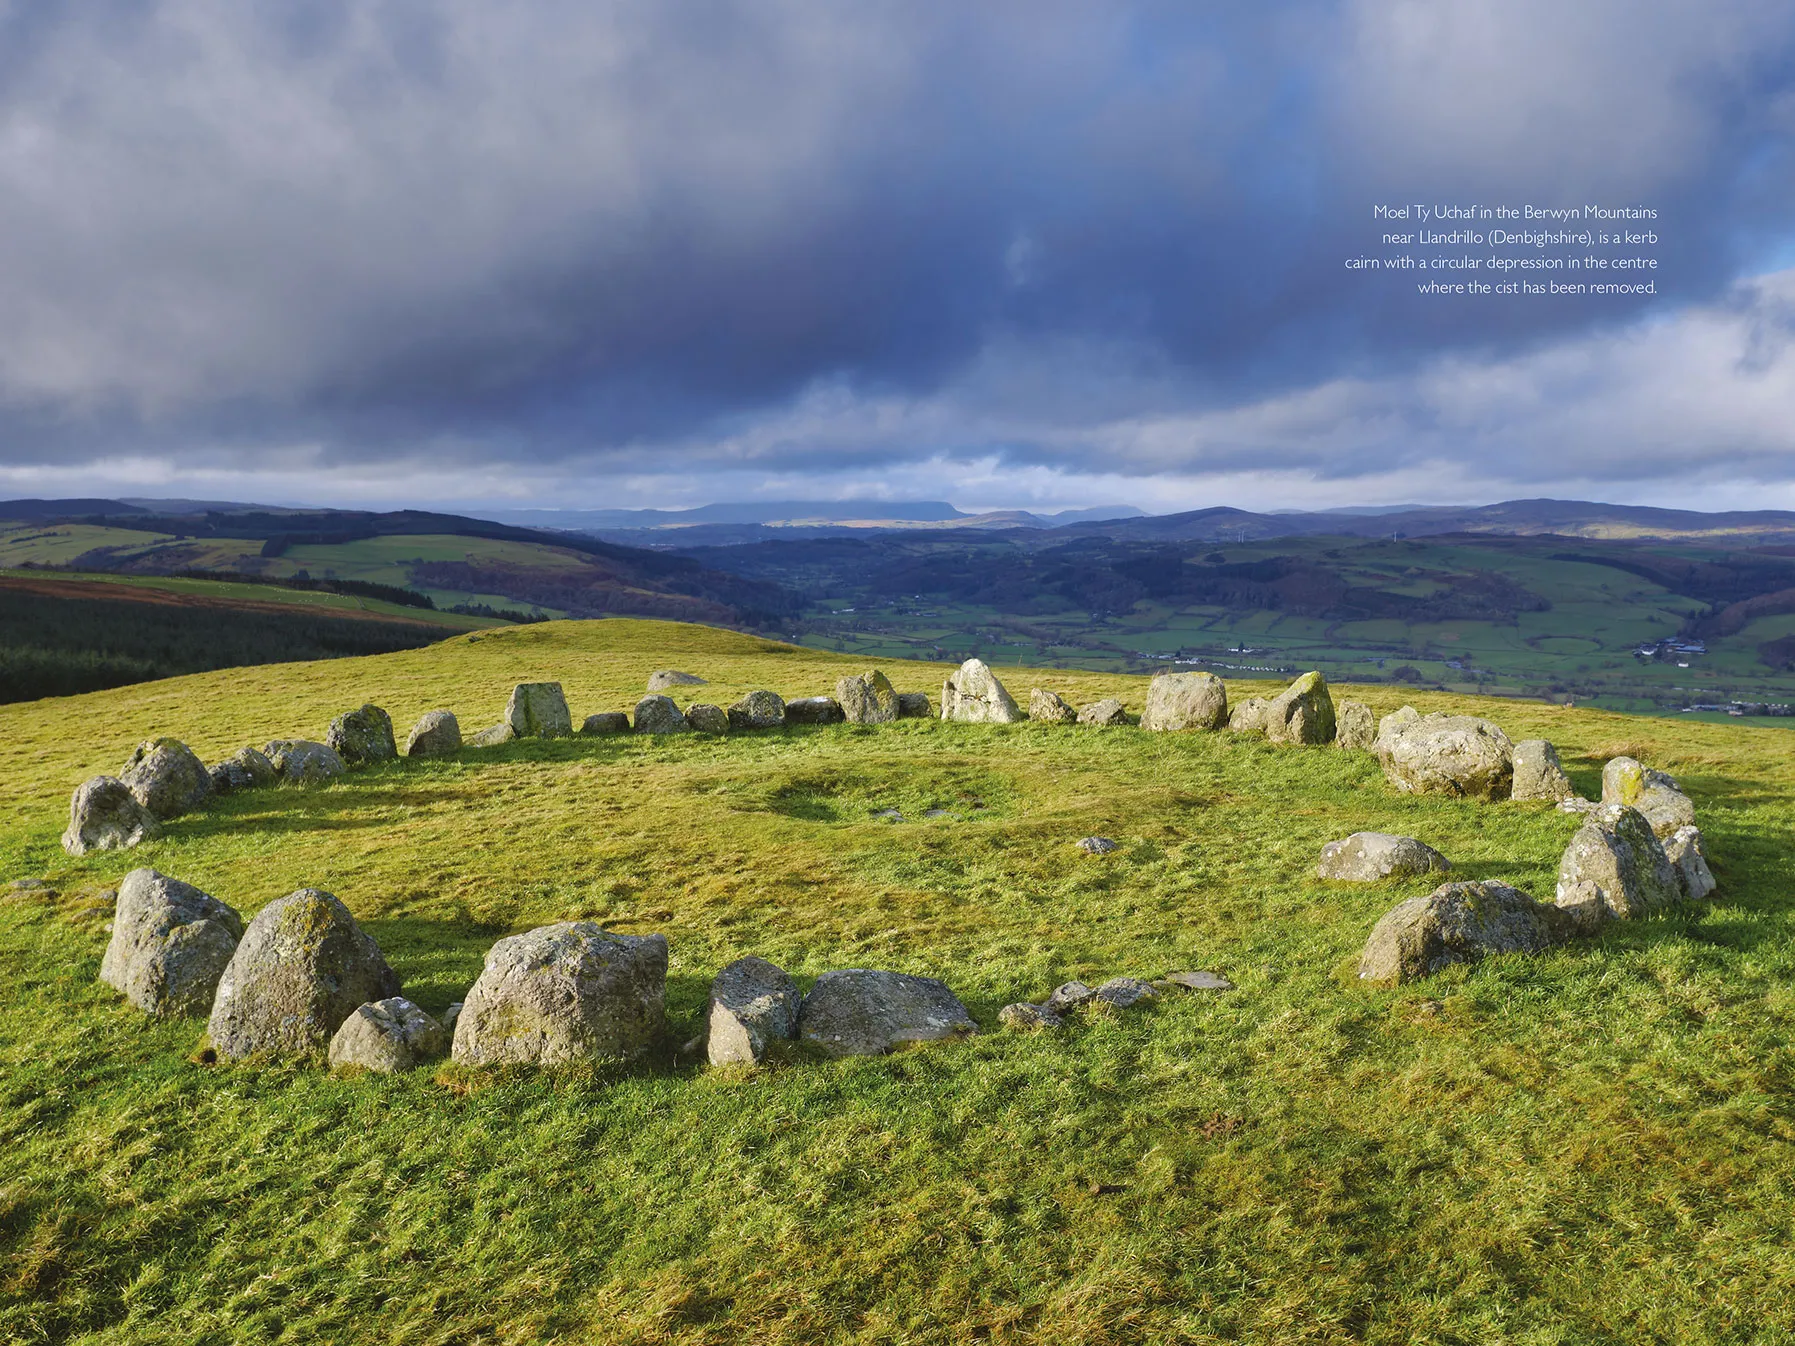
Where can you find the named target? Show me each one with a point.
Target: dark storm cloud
(656, 233)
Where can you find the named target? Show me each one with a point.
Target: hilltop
(1585, 1145)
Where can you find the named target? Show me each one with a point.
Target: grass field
(1591, 1146)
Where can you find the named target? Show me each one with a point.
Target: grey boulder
(301, 968)
(814, 710)
(170, 945)
(914, 706)
(538, 710)
(659, 715)
(1248, 716)
(1391, 723)
(363, 737)
(1447, 754)
(862, 1012)
(1185, 701)
(1302, 713)
(758, 710)
(560, 993)
(752, 1005)
(663, 678)
(495, 737)
(1066, 997)
(388, 1036)
(1538, 774)
(1683, 848)
(973, 694)
(867, 698)
(1615, 866)
(1106, 713)
(707, 719)
(1372, 857)
(1123, 993)
(167, 777)
(299, 761)
(1457, 923)
(1050, 707)
(1354, 726)
(105, 816)
(245, 769)
(436, 734)
(606, 722)
(1656, 795)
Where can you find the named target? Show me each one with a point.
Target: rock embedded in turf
(1178, 701)
(1683, 848)
(814, 710)
(495, 737)
(1200, 981)
(1024, 1017)
(1248, 716)
(1617, 863)
(302, 967)
(1050, 707)
(1655, 794)
(605, 722)
(1067, 997)
(1096, 845)
(1372, 857)
(1458, 923)
(436, 734)
(707, 719)
(1447, 754)
(758, 710)
(864, 1012)
(1302, 713)
(299, 761)
(170, 945)
(1538, 774)
(388, 1036)
(1123, 992)
(972, 694)
(914, 706)
(1354, 725)
(663, 678)
(167, 777)
(363, 737)
(538, 710)
(105, 816)
(567, 992)
(753, 1004)
(1105, 713)
(659, 715)
(867, 698)
(245, 769)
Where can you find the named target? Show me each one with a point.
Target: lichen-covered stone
(1200, 981)
(1395, 720)
(707, 719)
(973, 694)
(167, 777)
(363, 737)
(914, 706)
(659, 715)
(1683, 848)
(1105, 713)
(1354, 726)
(436, 734)
(1447, 754)
(867, 698)
(814, 710)
(606, 722)
(1373, 857)
(1096, 845)
(1123, 992)
(663, 678)
(1050, 707)
(1248, 716)
(299, 761)
(1458, 923)
(753, 1004)
(862, 1012)
(494, 737)
(1653, 793)
(1302, 713)
(538, 710)
(1028, 1018)
(170, 945)
(1066, 997)
(567, 992)
(302, 967)
(758, 710)
(1616, 866)
(1177, 701)
(245, 769)
(105, 816)
(388, 1036)
(1538, 774)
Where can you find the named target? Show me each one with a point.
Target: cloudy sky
(1029, 254)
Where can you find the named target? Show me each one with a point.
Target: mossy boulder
(1106, 713)
(863, 1012)
(758, 710)
(1248, 716)
(167, 777)
(606, 722)
(659, 715)
(436, 734)
(105, 816)
(300, 761)
(1302, 713)
(814, 710)
(538, 710)
(1050, 707)
(1653, 793)
(1616, 866)
(867, 698)
(1458, 923)
(245, 769)
(1354, 725)
(1538, 774)
(1375, 857)
(1178, 701)
(707, 719)
(387, 1037)
(170, 945)
(363, 737)
(753, 1005)
(1446, 754)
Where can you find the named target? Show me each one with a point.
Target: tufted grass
(1592, 1146)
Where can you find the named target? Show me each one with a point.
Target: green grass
(1591, 1146)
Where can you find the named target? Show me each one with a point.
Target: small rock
(1067, 997)
(939, 813)
(245, 769)
(814, 710)
(1177, 701)
(606, 722)
(436, 734)
(663, 678)
(538, 710)
(1538, 774)
(888, 815)
(1096, 845)
(1657, 796)
(1200, 981)
(105, 816)
(388, 1036)
(758, 710)
(1354, 726)
(170, 945)
(1372, 857)
(973, 694)
(1023, 1018)
(1107, 712)
(41, 887)
(301, 762)
(659, 715)
(1050, 707)
(863, 1012)
(1458, 923)
(752, 1004)
(914, 706)
(1123, 992)
(868, 698)
(167, 777)
(707, 719)
(1248, 716)
(495, 737)
(1684, 851)
(1302, 713)
(362, 737)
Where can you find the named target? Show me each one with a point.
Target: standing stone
(1457, 923)
(663, 678)
(495, 737)
(974, 695)
(1302, 713)
(388, 1036)
(1354, 726)
(868, 698)
(538, 710)
(1656, 795)
(170, 945)
(753, 1004)
(1050, 707)
(302, 967)
(1185, 701)
(758, 710)
(167, 777)
(1538, 772)
(1615, 866)
(567, 992)
(1447, 754)
(1107, 713)
(1373, 857)
(862, 1012)
(436, 734)
(245, 769)
(105, 816)
(1684, 851)
(1248, 716)
(363, 737)
(606, 722)
(814, 710)
(658, 715)
(299, 761)
(707, 719)
(914, 706)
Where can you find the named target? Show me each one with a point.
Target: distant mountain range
(803, 514)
